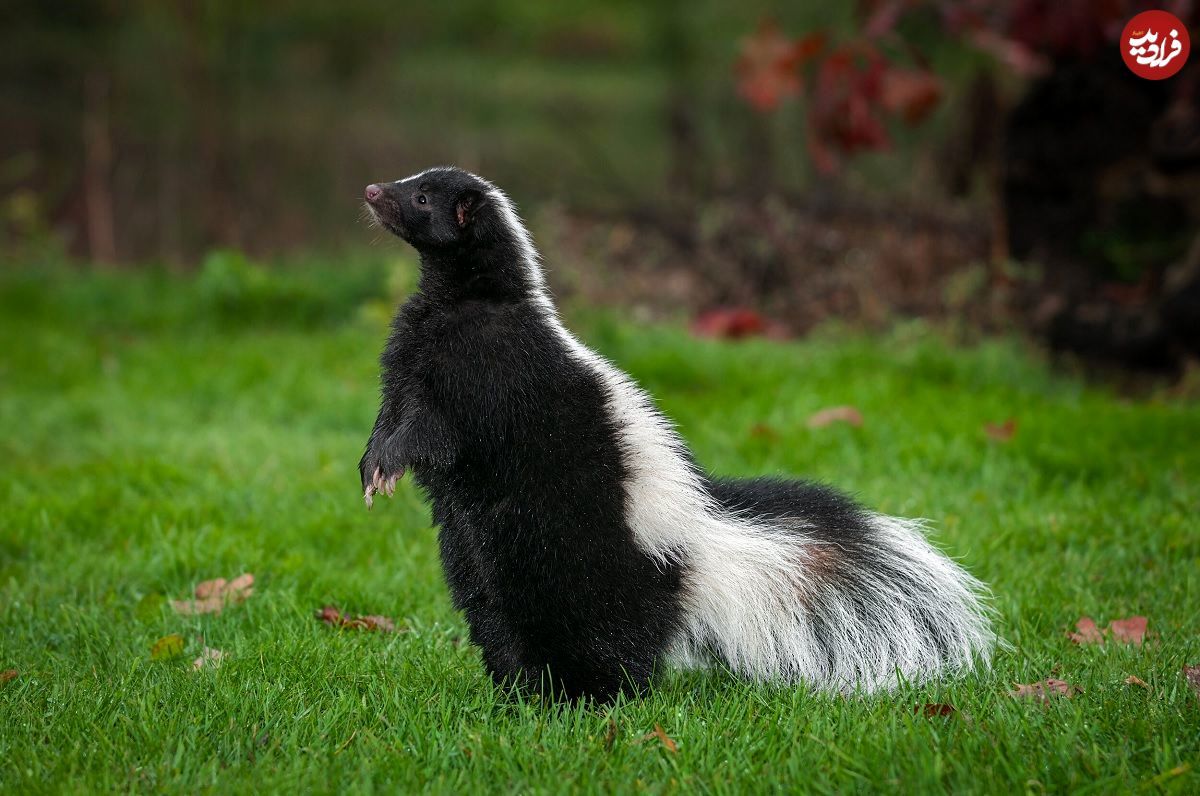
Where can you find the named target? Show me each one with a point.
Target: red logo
(1155, 44)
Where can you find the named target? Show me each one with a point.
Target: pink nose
(373, 192)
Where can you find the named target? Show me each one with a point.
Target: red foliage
(767, 67)
(853, 87)
(850, 88)
(843, 112)
(911, 94)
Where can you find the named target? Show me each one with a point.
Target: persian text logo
(1155, 44)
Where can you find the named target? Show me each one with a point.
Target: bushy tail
(868, 610)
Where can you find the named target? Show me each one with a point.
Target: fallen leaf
(1135, 680)
(1087, 632)
(730, 323)
(383, 623)
(212, 596)
(931, 709)
(1128, 631)
(8, 674)
(836, 414)
(667, 741)
(335, 618)
(167, 647)
(1045, 689)
(1177, 771)
(210, 658)
(1001, 432)
(1192, 675)
(763, 431)
(610, 735)
(207, 589)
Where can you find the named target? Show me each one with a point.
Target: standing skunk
(578, 534)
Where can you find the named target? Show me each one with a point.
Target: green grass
(158, 431)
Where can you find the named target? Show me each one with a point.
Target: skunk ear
(467, 206)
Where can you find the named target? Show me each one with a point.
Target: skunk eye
(421, 199)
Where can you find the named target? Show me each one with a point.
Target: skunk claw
(381, 485)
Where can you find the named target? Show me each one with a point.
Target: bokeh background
(974, 229)
(756, 167)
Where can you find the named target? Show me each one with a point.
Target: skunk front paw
(378, 475)
(380, 483)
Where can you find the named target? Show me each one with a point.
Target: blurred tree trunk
(170, 243)
(685, 177)
(212, 109)
(97, 167)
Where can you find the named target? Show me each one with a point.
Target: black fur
(508, 437)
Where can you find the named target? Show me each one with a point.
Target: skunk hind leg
(588, 663)
(488, 628)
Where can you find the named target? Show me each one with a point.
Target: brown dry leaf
(1135, 680)
(382, 623)
(610, 735)
(335, 618)
(1087, 632)
(212, 596)
(1192, 675)
(931, 709)
(836, 414)
(1128, 631)
(1001, 432)
(1045, 689)
(8, 674)
(210, 658)
(207, 589)
(667, 741)
(763, 431)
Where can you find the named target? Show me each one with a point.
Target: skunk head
(437, 210)
(471, 241)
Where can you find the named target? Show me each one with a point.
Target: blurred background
(755, 167)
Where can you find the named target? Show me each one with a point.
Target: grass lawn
(156, 432)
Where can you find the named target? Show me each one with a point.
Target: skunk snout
(384, 209)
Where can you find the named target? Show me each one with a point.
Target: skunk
(579, 536)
